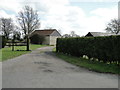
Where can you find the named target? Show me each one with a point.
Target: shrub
(106, 49)
(37, 39)
(2, 41)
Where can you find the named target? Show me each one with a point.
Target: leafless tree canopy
(73, 34)
(28, 19)
(113, 26)
(6, 26)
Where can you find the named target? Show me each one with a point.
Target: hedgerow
(106, 49)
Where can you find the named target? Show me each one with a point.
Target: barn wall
(47, 40)
(53, 40)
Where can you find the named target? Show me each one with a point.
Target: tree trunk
(28, 43)
(13, 44)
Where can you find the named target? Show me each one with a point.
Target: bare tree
(66, 36)
(29, 21)
(0, 27)
(17, 34)
(59, 30)
(113, 26)
(73, 34)
(6, 26)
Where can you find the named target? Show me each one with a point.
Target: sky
(81, 16)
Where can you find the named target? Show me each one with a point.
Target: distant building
(51, 35)
(95, 34)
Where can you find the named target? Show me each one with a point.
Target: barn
(95, 34)
(50, 35)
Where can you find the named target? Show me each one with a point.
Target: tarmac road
(42, 69)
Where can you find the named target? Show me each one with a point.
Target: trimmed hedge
(106, 49)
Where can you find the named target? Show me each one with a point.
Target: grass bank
(91, 65)
(7, 53)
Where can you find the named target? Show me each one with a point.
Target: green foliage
(105, 49)
(3, 41)
(37, 39)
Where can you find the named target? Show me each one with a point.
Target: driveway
(0, 75)
(42, 69)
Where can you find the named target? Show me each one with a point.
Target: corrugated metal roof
(101, 34)
(94, 34)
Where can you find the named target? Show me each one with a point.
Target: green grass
(91, 65)
(54, 49)
(7, 53)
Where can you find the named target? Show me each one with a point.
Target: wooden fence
(15, 44)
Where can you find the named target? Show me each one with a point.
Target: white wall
(53, 40)
(47, 40)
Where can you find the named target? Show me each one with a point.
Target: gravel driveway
(42, 69)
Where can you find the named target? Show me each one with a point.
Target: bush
(2, 41)
(37, 39)
(106, 49)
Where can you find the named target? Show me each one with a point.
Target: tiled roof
(44, 32)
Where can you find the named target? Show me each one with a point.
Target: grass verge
(7, 53)
(91, 65)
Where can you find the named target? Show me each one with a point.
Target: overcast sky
(81, 16)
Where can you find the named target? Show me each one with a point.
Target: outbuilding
(50, 35)
(95, 34)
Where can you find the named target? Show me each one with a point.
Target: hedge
(105, 48)
(2, 41)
